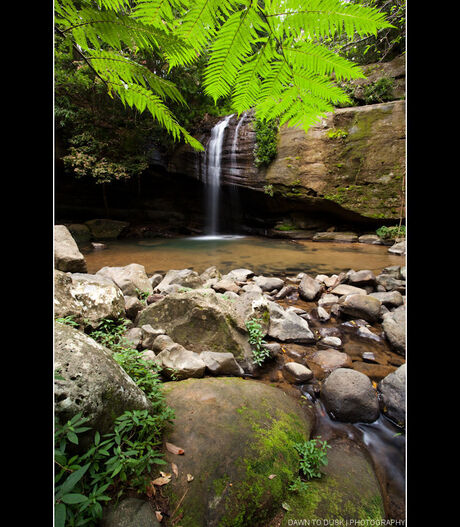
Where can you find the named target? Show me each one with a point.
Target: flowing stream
(213, 169)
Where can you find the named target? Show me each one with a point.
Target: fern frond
(109, 63)
(321, 18)
(158, 13)
(318, 59)
(231, 47)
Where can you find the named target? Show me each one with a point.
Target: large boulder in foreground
(93, 382)
(235, 433)
(200, 320)
(67, 256)
(87, 298)
(350, 397)
(347, 493)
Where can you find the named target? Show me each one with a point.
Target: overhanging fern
(267, 55)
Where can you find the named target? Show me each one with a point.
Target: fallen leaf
(175, 469)
(174, 449)
(159, 515)
(271, 476)
(151, 490)
(286, 506)
(161, 481)
(189, 477)
(165, 474)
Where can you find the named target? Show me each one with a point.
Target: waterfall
(213, 160)
(235, 144)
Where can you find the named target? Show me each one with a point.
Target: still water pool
(261, 255)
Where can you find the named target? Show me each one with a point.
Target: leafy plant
(110, 333)
(142, 295)
(268, 189)
(313, 454)
(259, 352)
(69, 321)
(266, 144)
(379, 91)
(298, 485)
(117, 460)
(390, 233)
(337, 134)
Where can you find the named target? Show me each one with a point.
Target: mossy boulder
(348, 490)
(200, 320)
(235, 434)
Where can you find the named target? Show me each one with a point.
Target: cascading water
(235, 145)
(213, 169)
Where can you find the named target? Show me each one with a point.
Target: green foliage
(379, 91)
(390, 233)
(68, 321)
(298, 485)
(259, 352)
(285, 227)
(142, 295)
(259, 54)
(266, 144)
(313, 454)
(110, 332)
(268, 189)
(117, 460)
(337, 134)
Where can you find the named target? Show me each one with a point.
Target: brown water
(261, 255)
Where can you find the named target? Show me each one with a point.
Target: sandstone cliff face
(353, 159)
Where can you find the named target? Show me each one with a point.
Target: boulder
(342, 237)
(398, 248)
(88, 298)
(309, 288)
(80, 232)
(210, 273)
(133, 337)
(130, 512)
(94, 383)
(106, 229)
(221, 363)
(179, 363)
(323, 315)
(348, 492)
(344, 289)
(394, 327)
(371, 239)
(181, 278)
(200, 320)
(389, 298)
(327, 300)
(131, 279)
(235, 433)
(392, 390)
(349, 396)
(390, 283)
(363, 306)
(67, 256)
(224, 285)
(362, 278)
(286, 326)
(296, 373)
(329, 360)
(155, 279)
(268, 283)
(240, 275)
(132, 306)
(330, 341)
(149, 335)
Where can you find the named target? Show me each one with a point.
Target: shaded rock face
(357, 175)
(239, 433)
(94, 383)
(392, 390)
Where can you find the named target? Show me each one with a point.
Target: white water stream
(213, 170)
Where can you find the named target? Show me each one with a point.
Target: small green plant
(285, 227)
(268, 189)
(337, 134)
(313, 454)
(379, 91)
(259, 352)
(390, 233)
(266, 142)
(298, 485)
(117, 460)
(142, 295)
(110, 333)
(69, 321)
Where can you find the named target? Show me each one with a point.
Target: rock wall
(353, 159)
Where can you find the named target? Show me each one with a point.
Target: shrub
(266, 142)
(259, 351)
(390, 233)
(313, 454)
